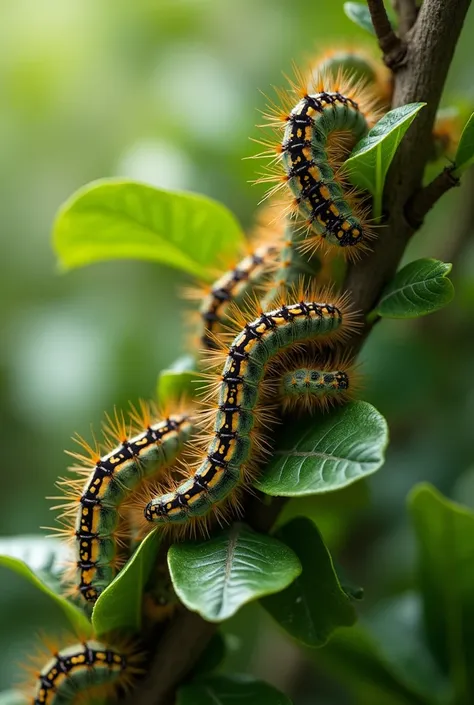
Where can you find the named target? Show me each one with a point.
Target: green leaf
(326, 453)
(212, 656)
(419, 288)
(314, 605)
(465, 151)
(217, 577)
(36, 558)
(445, 536)
(230, 690)
(360, 14)
(120, 219)
(120, 605)
(369, 162)
(179, 381)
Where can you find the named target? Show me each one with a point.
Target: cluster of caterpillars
(274, 332)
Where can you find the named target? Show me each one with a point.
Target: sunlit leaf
(119, 219)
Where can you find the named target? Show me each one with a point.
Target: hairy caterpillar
(234, 444)
(232, 285)
(86, 668)
(337, 109)
(360, 64)
(294, 266)
(91, 516)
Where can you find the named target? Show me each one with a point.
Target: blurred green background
(167, 92)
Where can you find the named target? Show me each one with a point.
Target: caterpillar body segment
(238, 403)
(232, 286)
(89, 667)
(93, 514)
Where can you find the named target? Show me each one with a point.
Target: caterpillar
(86, 668)
(92, 513)
(235, 439)
(360, 64)
(336, 108)
(231, 286)
(294, 266)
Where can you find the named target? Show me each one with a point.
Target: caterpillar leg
(235, 433)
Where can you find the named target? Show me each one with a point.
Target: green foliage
(314, 605)
(326, 453)
(178, 381)
(217, 577)
(230, 690)
(465, 151)
(35, 559)
(118, 219)
(370, 160)
(419, 288)
(360, 14)
(445, 535)
(120, 605)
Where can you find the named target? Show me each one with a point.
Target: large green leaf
(369, 162)
(465, 151)
(315, 604)
(180, 380)
(120, 605)
(326, 453)
(419, 288)
(119, 219)
(230, 690)
(36, 559)
(359, 13)
(217, 577)
(445, 534)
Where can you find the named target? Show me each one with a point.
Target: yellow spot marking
(315, 173)
(216, 479)
(346, 225)
(324, 191)
(334, 210)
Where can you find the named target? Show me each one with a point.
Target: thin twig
(407, 12)
(394, 49)
(424, 199)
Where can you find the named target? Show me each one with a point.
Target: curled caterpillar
(234, 444)
(91, 516)
(85, 668)
(337, 110)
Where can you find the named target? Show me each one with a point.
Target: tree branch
(424, 199)
(407, 12)
(394, 50)
(420, 76)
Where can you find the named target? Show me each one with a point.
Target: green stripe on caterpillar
(85, 668)
(234, 439)
(91, 515)
(317, 134)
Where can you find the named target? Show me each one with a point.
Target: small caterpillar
(234, 442)
(315, 387)
(332, 213)
(88, 667)
(92, 513)
(231, 286)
